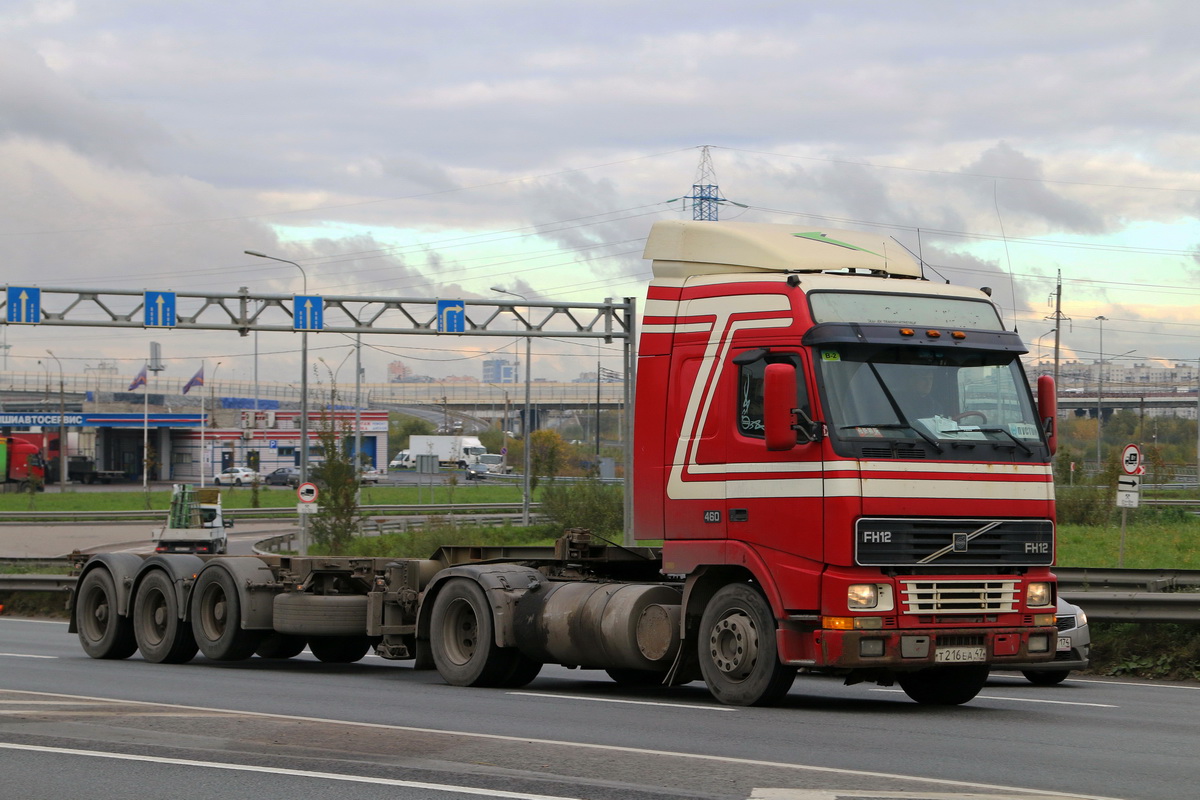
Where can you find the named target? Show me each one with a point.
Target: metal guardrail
(37, 583)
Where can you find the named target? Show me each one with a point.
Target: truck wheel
(1048, 678)
(737, 649)
(521, 671)
(280, 645)
(944, 686)
(102, 632)
(161, 635)
(320, 615)
(216, 614)
(339, 649)
(462, 637)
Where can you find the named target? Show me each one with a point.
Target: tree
(547, 453)
(338, 519)
(402, 426)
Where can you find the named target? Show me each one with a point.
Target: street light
(303, 389)
(62, 428)
(525, 430)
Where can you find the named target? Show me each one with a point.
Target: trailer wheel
(339, 649)
(280, 646)
(216, 614)
(320, 615)
(737, 649)
(944, 686)
(521, 671)
(102, 632)
(462, 637)
(1047, 678)
(161, 635)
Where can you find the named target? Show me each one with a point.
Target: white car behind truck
(195, 523)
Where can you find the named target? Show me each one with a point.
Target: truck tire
(944, 686)
(462, 637)
(162, 637)
(320, 615)
(737, 650)
(102, 632)
(216, 614)
(339, 649)
(280, 646)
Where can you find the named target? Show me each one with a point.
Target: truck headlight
(862, 595)
(1038, 594)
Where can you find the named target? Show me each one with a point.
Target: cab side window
(749, 412)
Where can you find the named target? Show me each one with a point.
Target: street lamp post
(303, 393)
(528, 417)
(62, 427)
(1099, 395)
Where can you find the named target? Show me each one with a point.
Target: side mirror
(1047, 401)
(779, 398)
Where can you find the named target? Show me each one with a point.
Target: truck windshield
(944, 397)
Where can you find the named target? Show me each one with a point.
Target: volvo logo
(959, 542)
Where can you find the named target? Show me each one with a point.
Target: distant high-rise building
(399, 372)
(499, 370)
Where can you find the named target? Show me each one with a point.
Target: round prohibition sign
(307, 492)
(1131, 459)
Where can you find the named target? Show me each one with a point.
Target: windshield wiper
(994, 429)
(897, 426)
(904, 423)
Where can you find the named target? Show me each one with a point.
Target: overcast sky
(414, 149)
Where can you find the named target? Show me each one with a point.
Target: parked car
(236, 476)
(284, 476)
(371, 475)
(1074, 645)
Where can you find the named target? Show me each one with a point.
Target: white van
(403, 460)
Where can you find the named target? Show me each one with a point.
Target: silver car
(1074, 644)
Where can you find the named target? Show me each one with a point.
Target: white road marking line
(296, 773)
(604, 748)
(1152, 685)
(38, 621)
(618, 700)
(1021, 699)
(24, 655)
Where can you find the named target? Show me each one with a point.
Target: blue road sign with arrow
(452, 316)
(158, 309)
(308, 313)
(24, 305)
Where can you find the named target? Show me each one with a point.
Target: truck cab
(860, 443)
(195, 523)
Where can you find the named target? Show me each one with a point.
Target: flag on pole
(140, 380)
(197, 380)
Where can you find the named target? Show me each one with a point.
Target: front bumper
(919, 648)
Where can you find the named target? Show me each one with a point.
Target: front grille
(958, 597)
(1066, 622)
(884, 541)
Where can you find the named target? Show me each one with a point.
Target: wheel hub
(733, 645)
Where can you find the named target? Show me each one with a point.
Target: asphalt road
(379, 727)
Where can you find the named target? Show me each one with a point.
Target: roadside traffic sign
(307, 492)
(1131, 460)
(158, 309)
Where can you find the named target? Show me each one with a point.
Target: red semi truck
(21, 464)
(844, 462)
